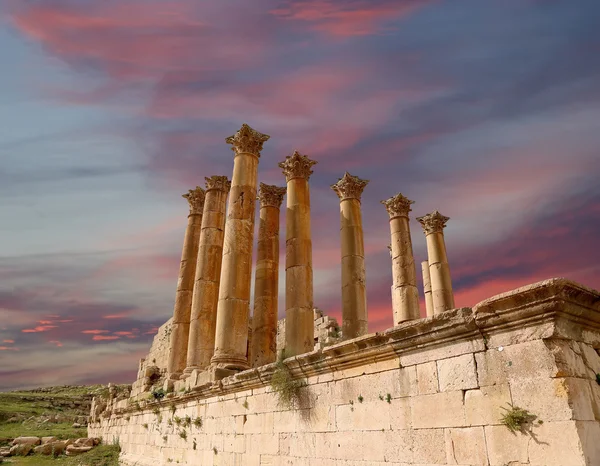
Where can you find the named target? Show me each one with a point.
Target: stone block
(556, 444)
(505, 447)
(397, 446)
(568, 358)
(591, 359)
(427, 378)
(466, 446)
(457, 373)
(589, 433)
(373, 415)
(429, 446)
(399, 412)
(491, 368)
(483, 406)
(443, 351)
(444, 409)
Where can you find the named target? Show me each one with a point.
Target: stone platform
(426, 392)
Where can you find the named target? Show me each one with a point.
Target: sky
(486, 110)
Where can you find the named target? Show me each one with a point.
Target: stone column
(208, 273)
(427, 288)
(405, 296)
(231, 337)
(185, 284)
(299, 318)
(441, 284)
(354, 292)
(266, 284)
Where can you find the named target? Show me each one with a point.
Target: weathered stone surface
(26, 441)
(457, 373)
(484, 406)
(466, 446)
(21, 449)
(427, 378)
(505, 447)
(74, 450)
(48, 439)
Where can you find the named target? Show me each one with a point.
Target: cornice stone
(349, 187)
(247, 141)
(297, 166)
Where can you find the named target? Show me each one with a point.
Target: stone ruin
(514, 380)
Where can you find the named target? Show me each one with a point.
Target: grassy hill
(52, 411)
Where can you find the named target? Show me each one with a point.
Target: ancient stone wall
(155, 363)
(427, 392)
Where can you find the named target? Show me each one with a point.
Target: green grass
(61, 431)
(102, 455)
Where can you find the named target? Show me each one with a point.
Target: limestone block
(26, 441)
(505, 447)
(362, 416)
(303, 444)
(444, 409)
(396, 445)
(548, 399)
(589, 433)
(591, 358)
(556, 444)
(443, 351)
(259, 423)
(429, 446)
(491, 368)
(457, 373)
(427, 378)
(321, 418)
(351, 445)
(262, 444)
(483, 406)
(466, 446)
(399, 412)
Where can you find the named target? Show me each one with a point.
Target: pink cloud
(94, 332)
(56, 342)
(123, 333)
(105, 337)
(348, 18)
(8, 341)
(40, 328)
(8, 348)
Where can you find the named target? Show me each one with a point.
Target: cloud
(104, 337)
(94, 332)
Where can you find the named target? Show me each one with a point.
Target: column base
(229, 363)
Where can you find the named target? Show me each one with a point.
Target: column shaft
(185, 284)
(266, 285)
(405, 295)
(231, 338)
(299, 319)
(354, 293)
(208, 273)
(427, 288)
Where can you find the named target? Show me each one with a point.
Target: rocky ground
(38, 425)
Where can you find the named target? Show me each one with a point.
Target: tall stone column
(427, 288)
(354, 291)
(233, 309)
(208, 273)
(299, 318)
(266, 284)
(405, 296)
(439, 270)
(185, 284)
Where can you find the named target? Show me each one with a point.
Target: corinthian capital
(247, 141)
(433, 222)
(297, 166)
(218, 182)
(398, 206)
(270, 195)
(349, 187)
(195, 197)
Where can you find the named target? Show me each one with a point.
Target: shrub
(516, 419)
(285, 386)
(198, 422)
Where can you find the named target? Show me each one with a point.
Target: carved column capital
(433, 222)
(195, 198)
(218, 182)
(247, 141)
(297, 166)
(398, 206)
(349, 187)
(270, 195)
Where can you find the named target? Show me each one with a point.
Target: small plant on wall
(285, 386)
(516, 419)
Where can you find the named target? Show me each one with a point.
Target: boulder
(48, 440)
(21, 449)
(84, 442)
(73, 450)
(97, 441)
(26, 441)
(4, 451)
(76, 425)
(44, 449)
